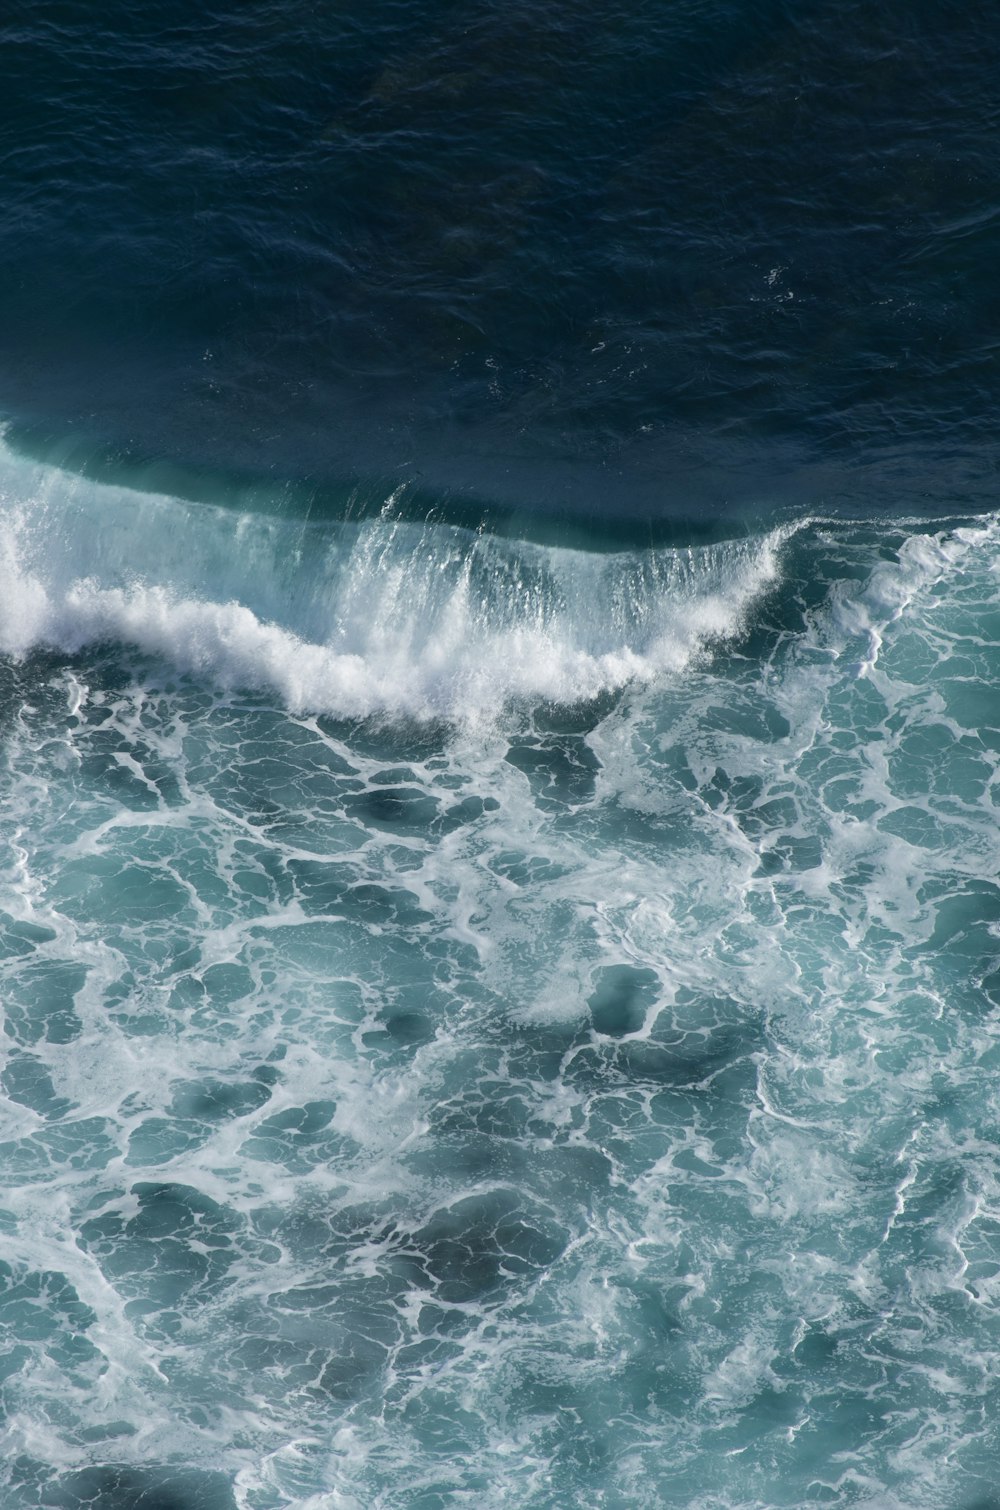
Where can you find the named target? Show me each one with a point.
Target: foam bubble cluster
(595, 1107)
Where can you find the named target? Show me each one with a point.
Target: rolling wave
(363, 617)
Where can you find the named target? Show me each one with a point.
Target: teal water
(526, 1037)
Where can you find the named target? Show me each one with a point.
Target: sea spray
(354, 618)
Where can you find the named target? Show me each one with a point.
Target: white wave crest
(355, 618)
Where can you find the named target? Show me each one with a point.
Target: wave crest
(361, 617)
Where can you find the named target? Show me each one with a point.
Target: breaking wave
(384, 615)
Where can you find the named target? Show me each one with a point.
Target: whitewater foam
(393, 1113)
(382, 616)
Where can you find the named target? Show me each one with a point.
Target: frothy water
(588, 1103)
(385, 615)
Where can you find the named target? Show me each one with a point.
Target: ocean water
(499, 856)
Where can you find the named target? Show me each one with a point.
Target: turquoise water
(469, 1044)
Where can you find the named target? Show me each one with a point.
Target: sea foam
(356, 618)
(394, 1116)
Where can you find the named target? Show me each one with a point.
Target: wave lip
(364, 617)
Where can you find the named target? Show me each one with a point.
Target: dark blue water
(627, 260)
(499, 637)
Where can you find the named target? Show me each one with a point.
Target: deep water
(499, 639)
